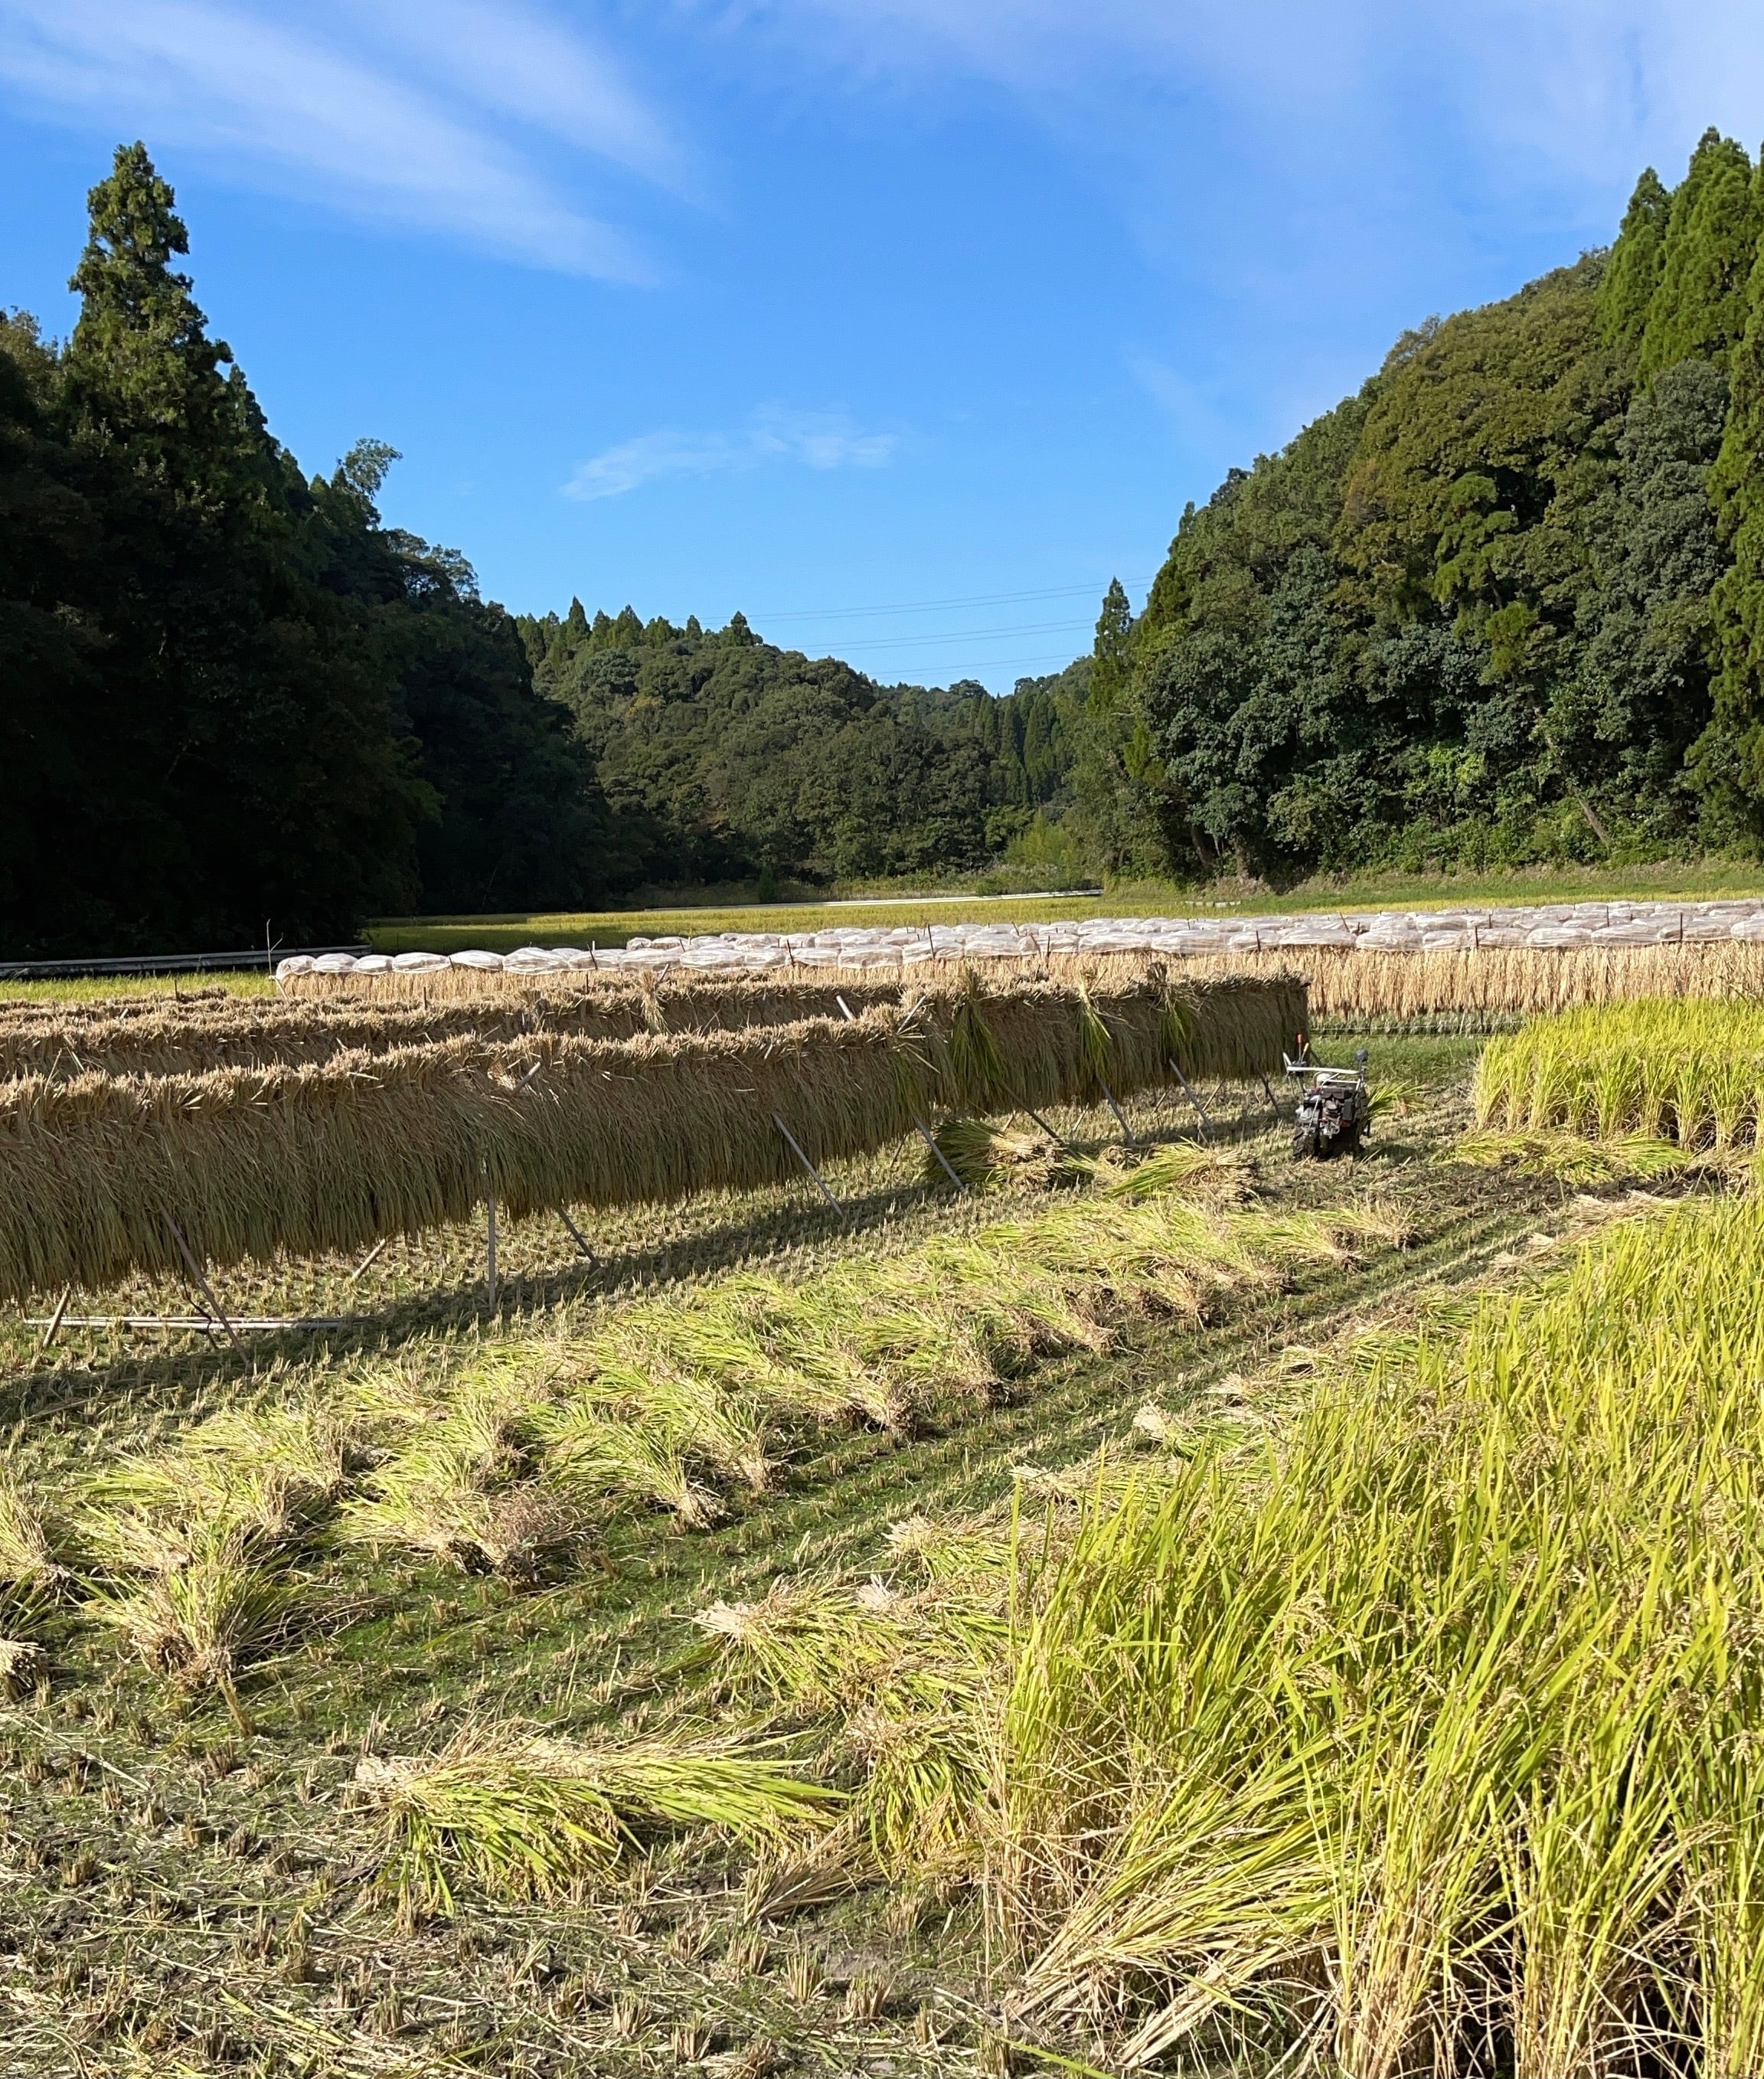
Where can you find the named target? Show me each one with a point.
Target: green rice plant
(598, 1456)
(978, 1073)
(1689, 1072)
(436, 1496)
(491, 1455)
(1429, 1714)
(525, 1817)
(266, 1474)
(198, 1623)
(702, 1411)
(1096, 1042)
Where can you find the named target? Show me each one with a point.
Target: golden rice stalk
(525, 1817)
(22, 1665)
(1221, 1175)
(1692, 1074)
(27, 1566)
(986, 1157)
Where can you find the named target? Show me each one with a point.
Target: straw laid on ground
(1689, 1073)
(1422, 1730)
(102, 1175)
(671, 1402)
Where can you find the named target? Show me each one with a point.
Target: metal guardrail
(163, 964)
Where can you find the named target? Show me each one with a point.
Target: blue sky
(900, 324)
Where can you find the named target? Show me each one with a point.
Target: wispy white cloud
(532, 69)
(817, 440)
(1575, 90)
(317, 107)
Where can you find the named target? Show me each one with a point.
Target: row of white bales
(1562, 925)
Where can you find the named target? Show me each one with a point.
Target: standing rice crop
(1423, 1723)
(1689, 1073)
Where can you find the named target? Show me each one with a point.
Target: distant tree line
(724, 758)
(1505, 603)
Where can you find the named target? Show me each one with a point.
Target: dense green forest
(725, 758)
(1506, 603)
(232, 701)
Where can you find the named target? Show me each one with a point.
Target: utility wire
(931, 605)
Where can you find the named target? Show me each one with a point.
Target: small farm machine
(1335, 1105)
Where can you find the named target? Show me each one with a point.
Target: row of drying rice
(101, 1175)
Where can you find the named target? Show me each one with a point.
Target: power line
(965, 635)
(1058, 659)
(931, 605)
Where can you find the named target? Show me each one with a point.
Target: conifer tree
(1114, 651)
(1711, 240)
(1632, 273)
(251, 698)
(1727, 763)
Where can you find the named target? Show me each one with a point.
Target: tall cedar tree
(1711, 232)
(249, 755)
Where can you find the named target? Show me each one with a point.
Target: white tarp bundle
(1564, 926)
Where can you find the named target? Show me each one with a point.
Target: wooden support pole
(1268, 1093)
(196, 1270)
(369, 1258)
(1188, 1090)
(821, 1181)
(1121, 1117)
(184, 1324)
(56, 1318)
(1031, 1112)
(490, 1249)
(575, 1236)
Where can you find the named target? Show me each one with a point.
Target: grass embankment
(186, 1894)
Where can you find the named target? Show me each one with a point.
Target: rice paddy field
(1065, 1591)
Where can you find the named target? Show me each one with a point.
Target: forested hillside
(1506, 603)
(725, 757)
(232, 701)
